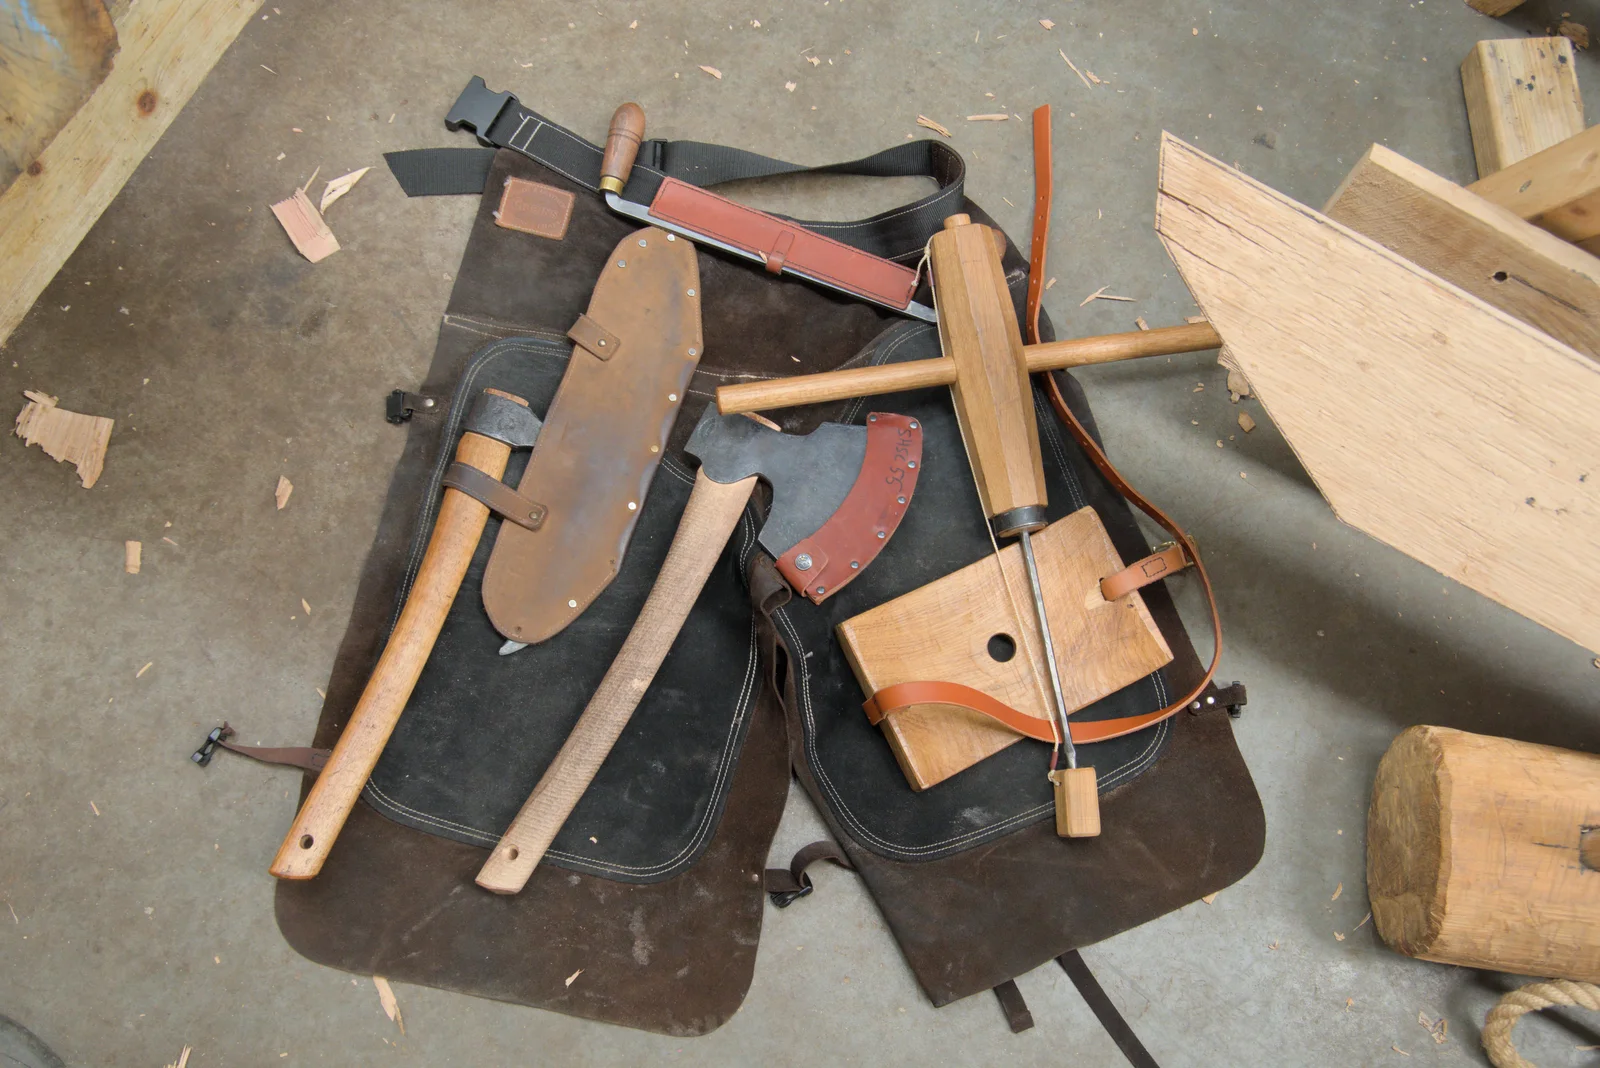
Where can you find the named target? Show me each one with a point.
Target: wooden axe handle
(708, 521)
(455, 538)
(922, 374)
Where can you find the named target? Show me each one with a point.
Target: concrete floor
(227, 360)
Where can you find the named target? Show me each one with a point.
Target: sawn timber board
(1434, 422)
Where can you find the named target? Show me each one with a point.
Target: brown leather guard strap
(1097, 456)
(891, 699)
(1139, 575)
(495, 495)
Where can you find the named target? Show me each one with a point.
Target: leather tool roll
(634, 352)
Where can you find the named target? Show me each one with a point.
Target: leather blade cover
(853, 536)
(603, 436)
(783, 245)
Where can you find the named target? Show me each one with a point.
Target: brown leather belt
(1156, 566)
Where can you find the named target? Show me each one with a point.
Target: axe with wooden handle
(838, 494)
(497, 423)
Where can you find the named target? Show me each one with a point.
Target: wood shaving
(634, 25)
(1576, 32)
(995, 117)
(1194, 318)
(95, 808)
(789, 86)
(305, 226)
(306, 606)
(386, 998)
(1090, 75)
(574, 976)
(1049, 284)
(131, 552)
(182, 1061)
(1398, 1050)
(338, 187)
(814, 61)
(1075, 70)
(168, 540)
(1101, 294)
(1246, 423)
(1141, 324)
(1274, 945)
(1336, 892)
(936, 127)
(65, 436)
(757, 417)
(1047, 24)
(1237, 383)
(714, 72)
(140, 673)
(1199, 387)
(1348, 1002)
(1209, 898)
(1368, 916)
(281, 494)
(1337, 937)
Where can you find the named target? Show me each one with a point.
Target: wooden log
(1429, 419)
(1483, 851)
(1481, 247)
(1556, 190)
(1522, 97)
(167, 48)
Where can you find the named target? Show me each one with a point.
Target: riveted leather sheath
(633, 352)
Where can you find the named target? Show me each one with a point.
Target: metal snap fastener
(803, 562)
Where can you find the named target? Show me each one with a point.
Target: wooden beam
(168, 47)
(1495, 8)
(52, 55)
(1432, 421)
(1483, 248)
(1522, 97)
(1557, 189)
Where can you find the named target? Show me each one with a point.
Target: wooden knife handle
(455, 537)
(622, 147)
(708, 521)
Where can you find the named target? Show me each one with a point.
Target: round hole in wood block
(512, 853)
(306, 841)
(1500, 276)
(1002, 647)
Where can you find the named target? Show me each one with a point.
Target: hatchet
(838, 493)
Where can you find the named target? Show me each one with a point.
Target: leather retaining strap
(1095, 996)
(294, 756)
(1137, 576)
(1018, 1018)
(494, 495)
(787, 885)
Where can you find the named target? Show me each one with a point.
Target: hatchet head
(838, 493)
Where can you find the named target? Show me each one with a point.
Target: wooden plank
(1479, 850)
(1429, 419)
(1495, 8)
(941, 633)
(52, 55)
(168, 47)
(1556, 190)
(1522, 97)
(1483, 248)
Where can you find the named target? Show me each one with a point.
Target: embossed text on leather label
(535, 208)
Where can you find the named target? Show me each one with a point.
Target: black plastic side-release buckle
(784, 898)
(399, 405)
(202, 756)
(476, 109)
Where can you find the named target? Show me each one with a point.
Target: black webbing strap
(1018, 1018)
(900, 233)
(787, 885)
(435, 172)
(1072, 963)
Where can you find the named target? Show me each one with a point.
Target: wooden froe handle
(713, 511)
(622, 147)
(455, 537)
(924, 374)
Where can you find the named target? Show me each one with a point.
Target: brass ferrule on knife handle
(622, 147)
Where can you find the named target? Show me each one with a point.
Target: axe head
(838, 493)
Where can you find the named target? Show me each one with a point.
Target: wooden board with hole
(945, 631)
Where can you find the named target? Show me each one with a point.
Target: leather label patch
(535, 208)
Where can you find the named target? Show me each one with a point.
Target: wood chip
(1576, 32)
(1336, 892)
(574, 976)
(1246, 423)
(1047, 24)
(281, 494)
(936, 127)
(71, 436)
(182, 1061)
(131, 552)
(1048, 285)
(1398, 1050)
(789, 86)
(1368, 916)
(1209, 898)
(996, 117)
(814, 61)
(1237, 383)
(1090, 75)
(1274, 945)
(1101, 294)
(757, 417)
(306, 606)
(714, 72)
(634, 25)
(1141, 324)
(1075, 70)
(338, 187)
(95, 808)
(1199, 387)
(140, 673)
(168, 540)
(1194, 318)
(1337, 937)
(305, 226)
(391, 1007)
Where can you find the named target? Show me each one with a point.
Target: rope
(1531, 998)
